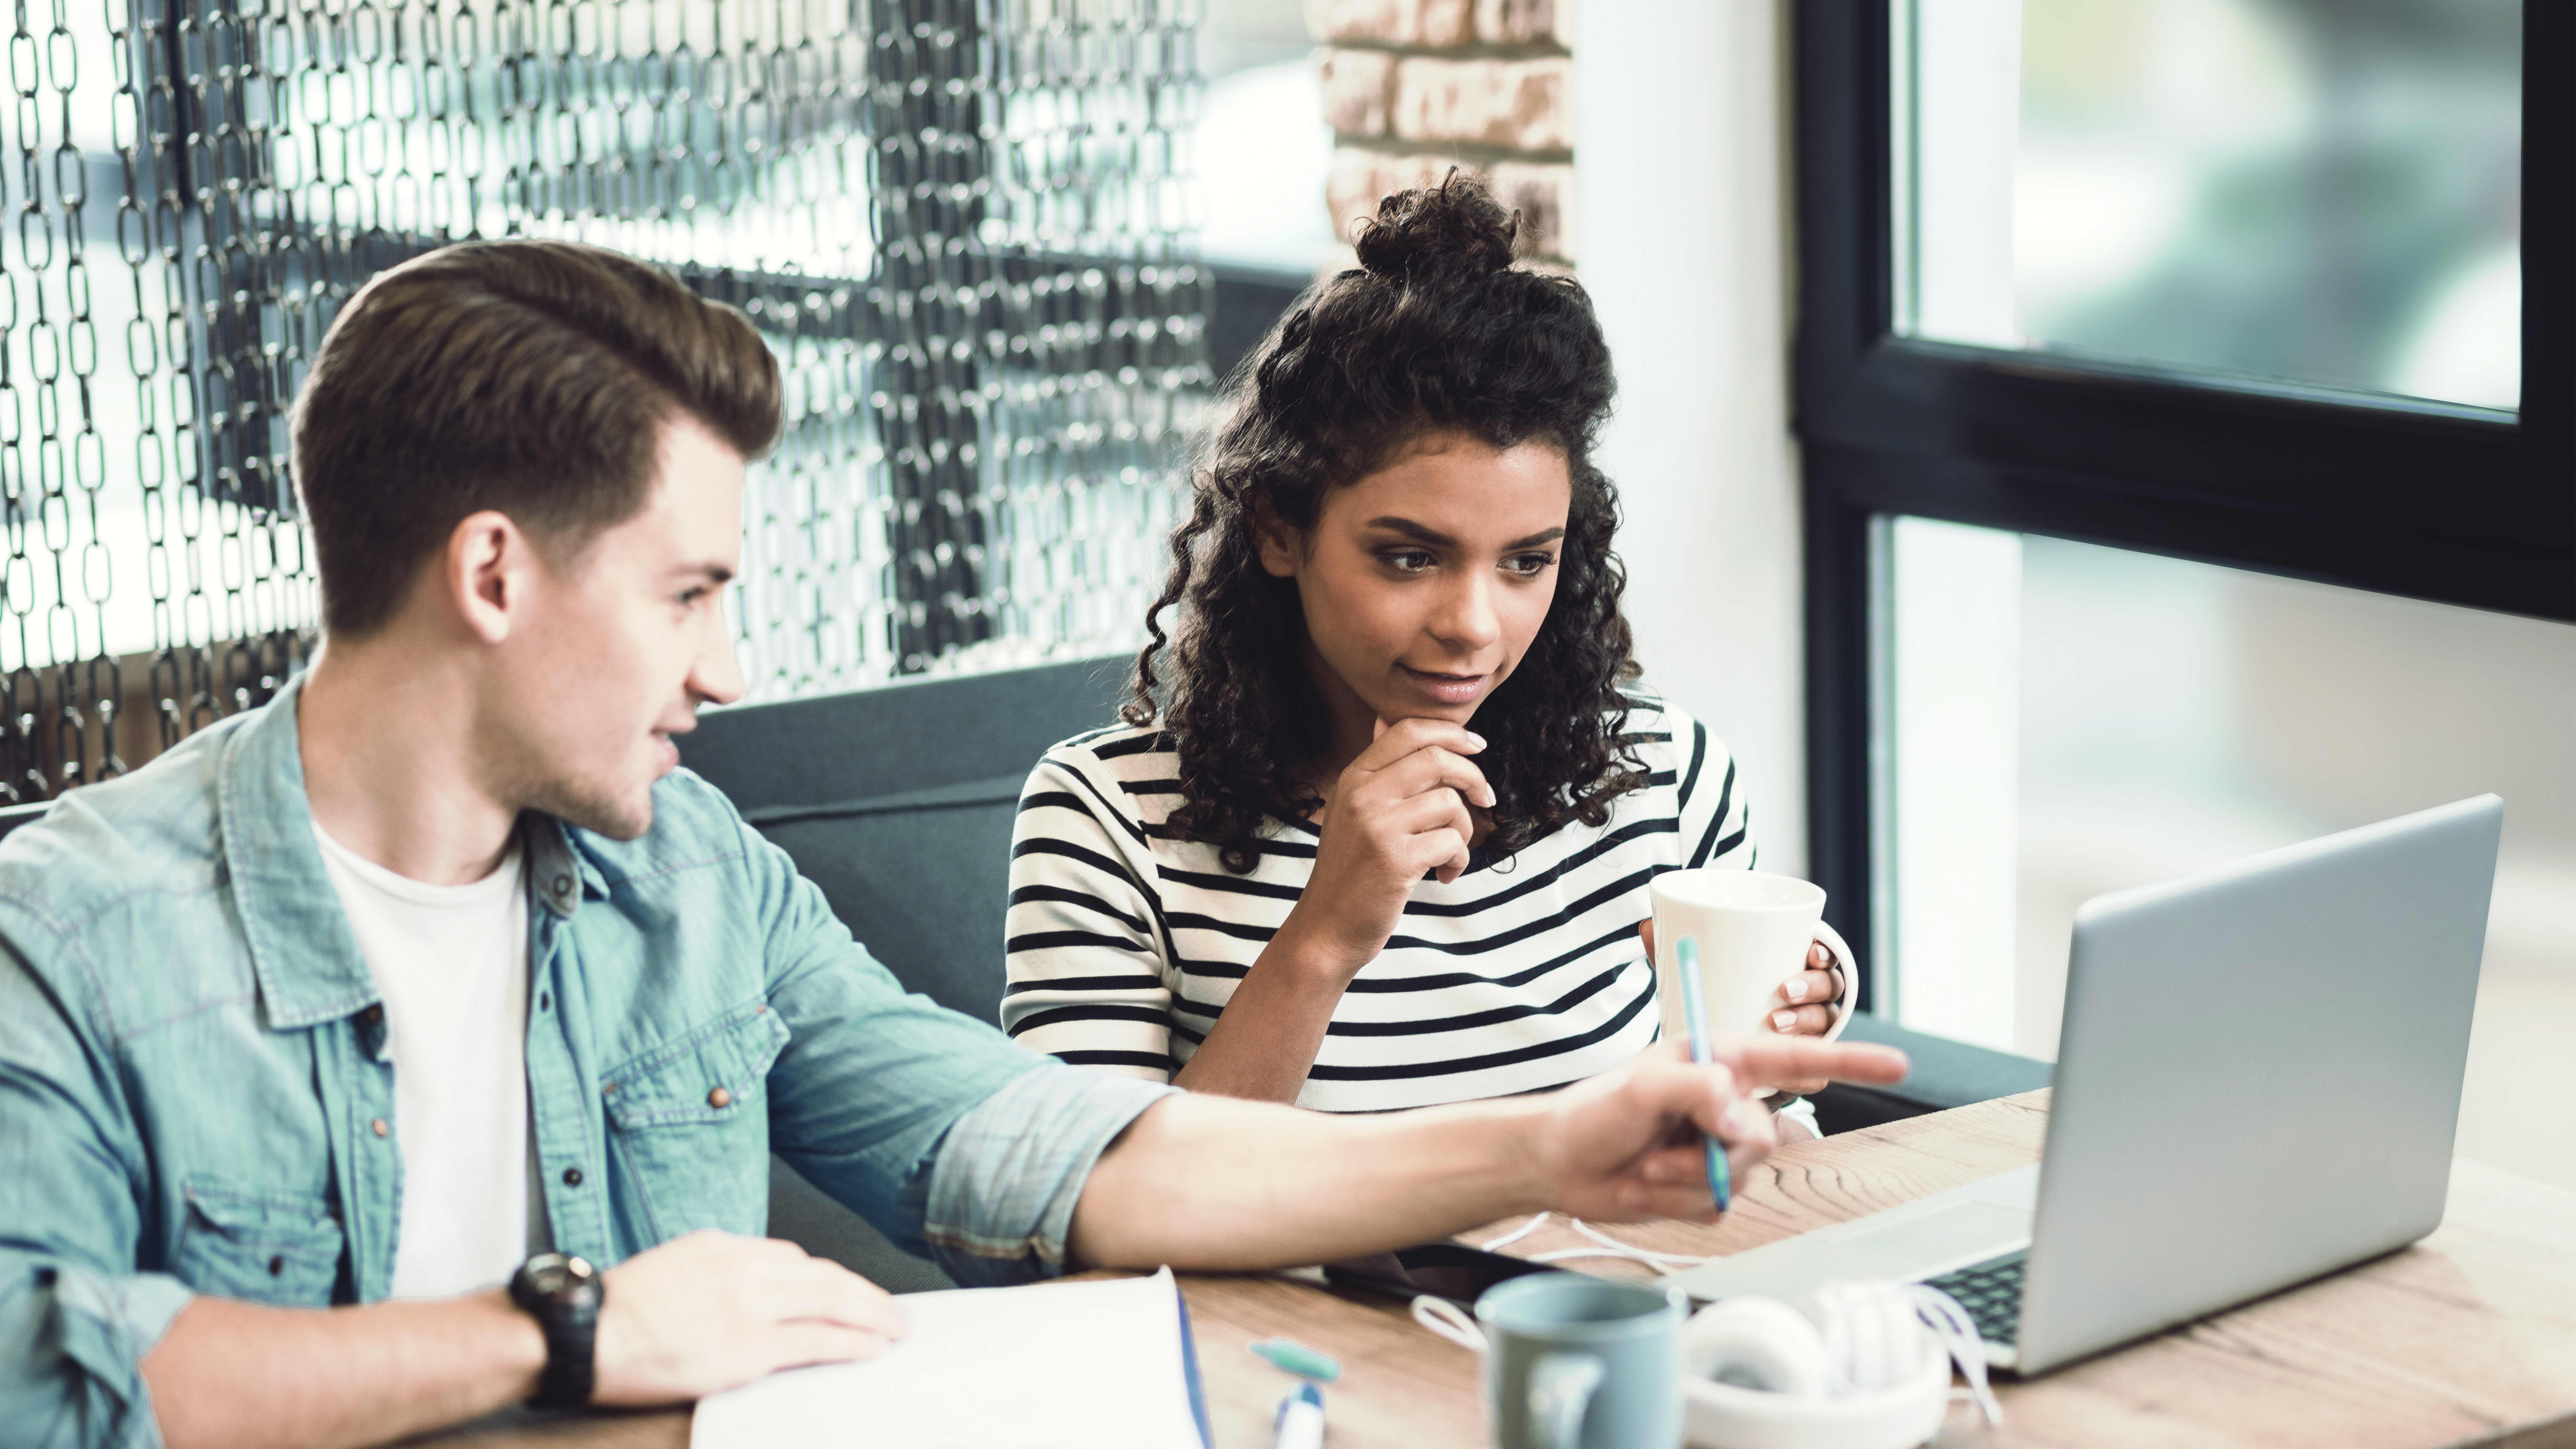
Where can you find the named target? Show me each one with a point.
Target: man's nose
(717, 676)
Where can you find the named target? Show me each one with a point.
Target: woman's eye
(689, 598)
(1408, 560)
(1530, 565)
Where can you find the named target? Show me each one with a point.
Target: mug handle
(1560, 1389)
(1844, 967)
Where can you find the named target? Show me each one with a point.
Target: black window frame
(2454, 504)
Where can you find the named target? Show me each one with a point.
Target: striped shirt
(1125, 943)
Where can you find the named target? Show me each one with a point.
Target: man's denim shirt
(194, 1096)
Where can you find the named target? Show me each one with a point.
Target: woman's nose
(1466, 620)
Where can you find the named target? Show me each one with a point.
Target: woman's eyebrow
(1436, 539)
(1414, 531)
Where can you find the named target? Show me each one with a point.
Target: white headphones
(1856, 1365)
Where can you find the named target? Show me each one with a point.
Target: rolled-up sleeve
(1007, 1175)
(75, 1320)
(71, 1348)
(935, 1127)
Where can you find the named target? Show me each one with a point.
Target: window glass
(1262, 148)
(2059, 720)
(2313, 191)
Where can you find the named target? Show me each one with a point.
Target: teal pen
(1695, 1014)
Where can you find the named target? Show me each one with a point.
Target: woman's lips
(1447, 688)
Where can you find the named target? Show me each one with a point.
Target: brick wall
(1414, 87)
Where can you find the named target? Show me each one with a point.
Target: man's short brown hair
(528, 377)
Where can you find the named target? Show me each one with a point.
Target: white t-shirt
(452, 965)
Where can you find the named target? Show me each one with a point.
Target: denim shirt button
(572, 1177)
(562, 886)
(380, 1127)
(720, 1098)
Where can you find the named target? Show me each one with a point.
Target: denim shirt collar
(302, 951)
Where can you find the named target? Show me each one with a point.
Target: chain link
(960, 223)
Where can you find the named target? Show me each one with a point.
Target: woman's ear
(1281, 548)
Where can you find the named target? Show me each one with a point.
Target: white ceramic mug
(1753, 930)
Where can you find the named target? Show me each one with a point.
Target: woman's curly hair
(1434, 332)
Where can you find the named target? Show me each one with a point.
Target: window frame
(2307, 482)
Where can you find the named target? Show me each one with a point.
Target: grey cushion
(920, 877)
(898, 803)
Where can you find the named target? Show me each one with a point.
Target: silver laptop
(2257, 1084)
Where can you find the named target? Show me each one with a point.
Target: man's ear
(483, 574)
(1281, 546)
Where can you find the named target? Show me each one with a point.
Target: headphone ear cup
(1756, 1343)
(1871, 1338)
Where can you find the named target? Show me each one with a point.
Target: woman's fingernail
(1740, 1118)
(1795, 988)
(1783, 1020)
(1475, 739)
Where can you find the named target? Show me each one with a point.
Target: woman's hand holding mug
(1400, 811)
(1767, 959)
(1803, 1005)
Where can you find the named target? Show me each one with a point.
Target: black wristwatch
(562, 1293)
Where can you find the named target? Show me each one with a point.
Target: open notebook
(1062, 1366)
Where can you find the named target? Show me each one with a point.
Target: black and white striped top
(1125, 943)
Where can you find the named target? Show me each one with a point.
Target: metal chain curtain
(960, 223)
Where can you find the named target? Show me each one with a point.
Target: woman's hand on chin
(1398, 812)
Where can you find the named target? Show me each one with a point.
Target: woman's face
(1424, 582)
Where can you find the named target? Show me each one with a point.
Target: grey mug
(1575, 1362)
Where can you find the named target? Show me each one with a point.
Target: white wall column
(1681, 136)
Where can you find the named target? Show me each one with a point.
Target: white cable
(1623, 1254)
(1537, 1221)
(1449, 1321)
(1958, 1333)
(1651, 1257)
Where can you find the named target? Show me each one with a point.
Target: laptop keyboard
(1991, 1292)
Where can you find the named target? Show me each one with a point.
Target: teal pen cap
(1695, 1016)
(1289, 1356)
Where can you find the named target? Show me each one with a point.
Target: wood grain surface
(2468, 1337)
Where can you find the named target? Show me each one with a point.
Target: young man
(316, 1029)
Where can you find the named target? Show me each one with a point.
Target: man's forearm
(1269, 1184)
(228, 1373)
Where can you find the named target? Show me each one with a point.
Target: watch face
(551, 1275)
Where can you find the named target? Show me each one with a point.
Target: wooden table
(2468, 1337)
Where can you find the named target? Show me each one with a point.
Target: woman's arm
(1398, 813)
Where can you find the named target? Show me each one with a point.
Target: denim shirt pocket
(690, 1119)
(260, 1246)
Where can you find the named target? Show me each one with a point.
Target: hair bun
(1456, 227)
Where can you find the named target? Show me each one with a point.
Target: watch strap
(571, 1364)
(568, 1317)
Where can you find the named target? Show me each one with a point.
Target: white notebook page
(1049, 1366)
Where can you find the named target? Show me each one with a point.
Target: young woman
(1378, 830)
